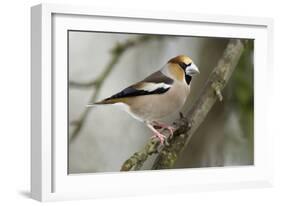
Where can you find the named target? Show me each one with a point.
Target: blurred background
(103, 137)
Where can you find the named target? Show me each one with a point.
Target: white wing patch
(149, 86)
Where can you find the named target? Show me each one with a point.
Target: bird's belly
(155, 107)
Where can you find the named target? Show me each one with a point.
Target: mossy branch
(117, 51)
(186, 126)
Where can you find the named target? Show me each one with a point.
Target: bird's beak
(192, 70)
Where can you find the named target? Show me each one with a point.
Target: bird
(158, 95)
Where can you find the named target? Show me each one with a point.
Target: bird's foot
(160, 137)
(157, 135)
(164, 126)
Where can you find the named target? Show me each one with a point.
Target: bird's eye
(184, 65)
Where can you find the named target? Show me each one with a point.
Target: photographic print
(147, 102)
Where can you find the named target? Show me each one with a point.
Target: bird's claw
(163, 141)
(160, 137)
(163, 126)
(171, 130)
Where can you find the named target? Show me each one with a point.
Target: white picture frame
(49, 178)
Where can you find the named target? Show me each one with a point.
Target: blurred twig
(186, 126)
(96, 84)
(81, 85)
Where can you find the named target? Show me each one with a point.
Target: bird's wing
(156, 83)
(158, 77)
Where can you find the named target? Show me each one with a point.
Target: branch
(136, 161)
(117, 51)
(86, 85)
(186, 126)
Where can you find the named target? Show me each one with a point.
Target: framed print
(134, 102)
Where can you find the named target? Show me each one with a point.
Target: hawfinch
(158, 95)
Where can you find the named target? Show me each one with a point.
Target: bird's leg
(157, 134)
(165, 126)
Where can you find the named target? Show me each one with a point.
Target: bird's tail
(102, 102)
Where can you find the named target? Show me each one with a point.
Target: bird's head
(183, 65)
(186, 64)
